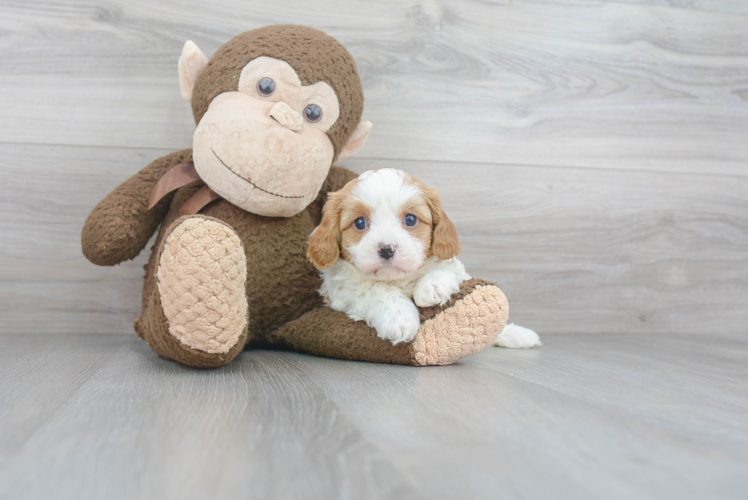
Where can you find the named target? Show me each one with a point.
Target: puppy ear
(324, 242)
(444, 241)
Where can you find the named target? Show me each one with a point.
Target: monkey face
(274, 108)
(264, 146)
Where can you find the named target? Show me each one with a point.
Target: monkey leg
(196, 312)
(470, 321)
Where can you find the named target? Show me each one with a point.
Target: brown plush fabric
(314, 55)
(281, 283)
(325, 332)
(284, 308)
(330, 333)
(282, 287)
(120, 226)
(201, 281)
(466, 288)
(336, 179)
(152, 327)
(473, 322)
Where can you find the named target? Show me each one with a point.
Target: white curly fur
(388, 306)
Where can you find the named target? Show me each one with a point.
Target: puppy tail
(517, 337)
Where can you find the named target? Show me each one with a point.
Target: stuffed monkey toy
(275, 107)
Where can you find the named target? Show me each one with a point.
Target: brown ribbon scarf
(177, 177)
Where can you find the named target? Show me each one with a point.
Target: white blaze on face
(257, 151)
(387, 192)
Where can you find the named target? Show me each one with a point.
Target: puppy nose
(386, 251)
(286, 116)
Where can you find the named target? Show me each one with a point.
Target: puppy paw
(435, 288)
(397, 322)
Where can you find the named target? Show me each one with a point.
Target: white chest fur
(390, 306)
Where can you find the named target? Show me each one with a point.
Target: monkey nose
(286, 116)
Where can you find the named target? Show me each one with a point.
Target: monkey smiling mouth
(249, 181)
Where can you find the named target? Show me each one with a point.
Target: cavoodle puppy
(385, 246)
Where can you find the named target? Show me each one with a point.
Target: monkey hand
(120, 225)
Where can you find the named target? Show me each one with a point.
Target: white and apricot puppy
(384, 243)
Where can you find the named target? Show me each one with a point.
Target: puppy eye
(266, 86)
(360, 223)
(410, 220)
(312, 113)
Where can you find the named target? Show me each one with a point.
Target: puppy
(384, 243)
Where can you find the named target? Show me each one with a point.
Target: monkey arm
(470, 321)
(120, 226)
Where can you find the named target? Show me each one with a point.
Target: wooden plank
(40, 374)
(590, 84)
(144, 427)
(46, 285)
(705, 373)
(576, 250)
(593, 251)
(725, 6)
(605, 416)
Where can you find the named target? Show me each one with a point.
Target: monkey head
(274, 108)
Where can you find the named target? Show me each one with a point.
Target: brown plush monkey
(274, 108)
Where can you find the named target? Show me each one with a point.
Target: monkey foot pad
(201, 279)
(473, 322)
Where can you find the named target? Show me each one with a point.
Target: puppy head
(386, 223)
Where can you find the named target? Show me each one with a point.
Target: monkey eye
(410, 220)
(312, 113)
(360, 223)
(266, 86)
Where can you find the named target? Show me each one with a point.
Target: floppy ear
(444, 241)
(358, 138)
(324, 242)
(191, 64)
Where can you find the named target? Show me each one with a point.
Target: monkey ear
(358, 138)
(191, 64)
(324, 242)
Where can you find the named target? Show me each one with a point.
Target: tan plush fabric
(250, 160)
(201, 277)
(444, 338)
(285, 310)
(357, 140)
(463, 329)
(279, 291)
(290, 90)
(153, 327)
(191, 64)
(281, 284)
(314, 55)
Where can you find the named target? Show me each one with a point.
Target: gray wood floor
(604, 416)
(594, 157)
